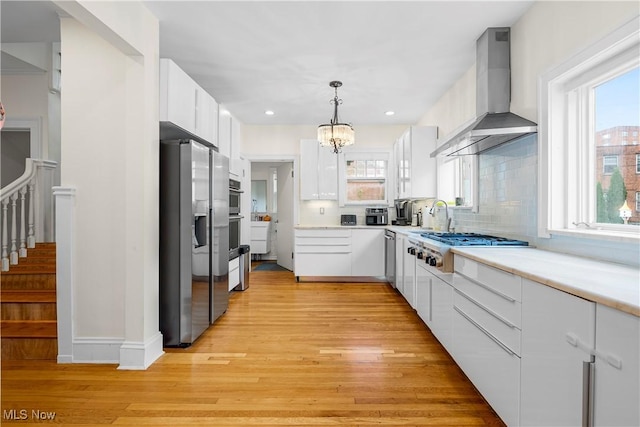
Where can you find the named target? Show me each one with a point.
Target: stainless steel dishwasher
(390, 257)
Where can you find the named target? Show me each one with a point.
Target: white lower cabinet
(424, 286)
(493, 368)
(552, 367)
(234, 273)
(486, 333)
(322, 252)
(400, 249)
(339, 252)
(409, 273)
(617, 368)
(367, 252)
(442, 311)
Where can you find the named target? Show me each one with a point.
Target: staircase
(28, 324)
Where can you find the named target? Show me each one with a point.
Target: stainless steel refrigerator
(194, 240)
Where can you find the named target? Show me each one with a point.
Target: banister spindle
(23, 224)
(5, 236)
(31, 236)
(13, 255)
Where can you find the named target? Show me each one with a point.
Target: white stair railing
(27, 214)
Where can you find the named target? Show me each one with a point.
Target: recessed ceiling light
(389, 113)
(269, 113)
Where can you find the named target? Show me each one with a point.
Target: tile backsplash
(507, 192)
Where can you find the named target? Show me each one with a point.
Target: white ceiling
(254, 56)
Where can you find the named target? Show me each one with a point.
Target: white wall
(109, 148)
(548, 34)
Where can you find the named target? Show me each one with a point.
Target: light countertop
(610, 284)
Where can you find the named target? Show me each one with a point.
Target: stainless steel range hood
(494, 124)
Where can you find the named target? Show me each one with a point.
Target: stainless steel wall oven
(235, 193)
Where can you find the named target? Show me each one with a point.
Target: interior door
(284, 226)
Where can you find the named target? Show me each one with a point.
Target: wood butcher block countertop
(610, 284)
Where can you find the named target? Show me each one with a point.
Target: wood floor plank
(284, 354)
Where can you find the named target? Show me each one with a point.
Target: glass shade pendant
(335, 134)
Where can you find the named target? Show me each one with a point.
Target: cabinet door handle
(588, 371)
(491, 312)
(487, 333)
(489, 288)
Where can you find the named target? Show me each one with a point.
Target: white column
(65, 198)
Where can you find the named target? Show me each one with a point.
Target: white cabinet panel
(323, 264)
(415, 168)
(409, 274)
(442, 311)
(224, 132)
(617, 386)
(234, 273)
(260, 237)
(206, 117)
(552, 369)
(400, 248)
(367, 252)
(318, 172)
(424, 281)
(493, 370)
(177, 96)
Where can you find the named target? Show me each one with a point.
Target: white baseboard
(140, 355)
(96, 350)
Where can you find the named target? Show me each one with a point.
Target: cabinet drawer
(322, 264)
(494, 371)
(501, 305)
(323, 249)
(502, 330)
(500, 281)
(324, 233)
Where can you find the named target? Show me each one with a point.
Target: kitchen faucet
(432, 212)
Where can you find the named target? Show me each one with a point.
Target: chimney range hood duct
(494, 124)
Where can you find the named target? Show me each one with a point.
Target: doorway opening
(273, 211)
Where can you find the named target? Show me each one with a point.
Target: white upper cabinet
(186, 110)
(177, 96)
(415, 168)
(229, 136)
(206, 117)
(318, 171)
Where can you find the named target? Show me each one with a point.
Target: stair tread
(28, 296)
(29, 328)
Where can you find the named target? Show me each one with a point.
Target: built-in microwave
(235, 193)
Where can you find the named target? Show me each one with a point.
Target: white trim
(140, 355)
(65, 201)
(557, 178)
(96, 350)
(34, 126)
(283, 158)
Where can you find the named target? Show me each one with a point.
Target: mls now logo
(23, 414)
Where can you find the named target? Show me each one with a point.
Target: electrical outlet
(321, 211)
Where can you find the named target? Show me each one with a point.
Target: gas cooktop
(472, 239)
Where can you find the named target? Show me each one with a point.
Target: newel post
(65, 202)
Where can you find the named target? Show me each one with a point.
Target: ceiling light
(269, 113)
(335, 134)
(389, 113)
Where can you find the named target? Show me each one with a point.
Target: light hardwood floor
(285, 353)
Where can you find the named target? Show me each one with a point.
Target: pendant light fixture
(335, 134)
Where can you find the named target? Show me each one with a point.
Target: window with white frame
(589, 107)
(638, 163)
(637, 201)
(364, 178)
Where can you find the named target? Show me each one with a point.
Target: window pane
(365, 190)
(351, 168)
(617, 112)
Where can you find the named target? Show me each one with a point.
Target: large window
(364, 178)
(589, 122)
